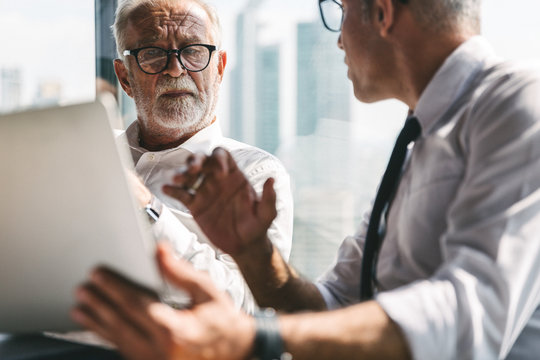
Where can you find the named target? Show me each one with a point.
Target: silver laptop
(65, 207)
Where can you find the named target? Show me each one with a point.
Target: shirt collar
(451, 80)
(203, 141)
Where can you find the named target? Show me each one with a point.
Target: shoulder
(509, 80)
(508, 91)
(504, 108)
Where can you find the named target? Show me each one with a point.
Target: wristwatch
(268, 342)
(153, 209)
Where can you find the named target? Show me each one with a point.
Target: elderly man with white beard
(170, 63)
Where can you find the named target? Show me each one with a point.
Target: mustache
(176, 84)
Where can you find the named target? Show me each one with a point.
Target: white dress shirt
(157, 168)
(459, 268)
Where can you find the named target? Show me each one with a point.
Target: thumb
(267, 207)
(184, 276)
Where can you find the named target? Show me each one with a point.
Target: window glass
(47, 56)
(286, 90)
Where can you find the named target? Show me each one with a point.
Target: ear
(222, 62)
(122, 75)
(384, 12)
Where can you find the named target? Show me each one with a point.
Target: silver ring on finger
(192, 190)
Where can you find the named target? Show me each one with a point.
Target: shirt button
(152, 157)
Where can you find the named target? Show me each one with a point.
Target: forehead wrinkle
(154, 24)
(186, 25)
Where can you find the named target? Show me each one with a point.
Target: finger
(219, 164)
(231, 162)
(187, 180)
(96, 313)
(213, 170)
(125, 297)
(183, 275)
(96, 307)
(127, 339)
(84, 316)
(199, 178)
(187, 173)
(198, 182)
(195, 162)
(179, 193)
(266, 210)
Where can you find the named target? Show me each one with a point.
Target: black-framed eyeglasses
(153, 60)
(331, 14)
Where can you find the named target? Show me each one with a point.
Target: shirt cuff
(416, 309)
(169, 228)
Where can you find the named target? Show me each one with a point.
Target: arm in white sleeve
(488, 286)
(280, 232)
(202, 256)
(340, 285)
(191, 244)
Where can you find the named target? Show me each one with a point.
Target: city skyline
(48, 45)
(285, 89)
(332, 177)
(43, 27)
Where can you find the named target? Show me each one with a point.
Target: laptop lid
(65, 207)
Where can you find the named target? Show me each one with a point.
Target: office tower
(10, 89)
(319, 160)
(323, 87)
(267, 98)
(105, 44)
(243, 84)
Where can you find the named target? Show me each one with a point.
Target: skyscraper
(243, 85)
(318, 157)
(267, 98)
(323, 88)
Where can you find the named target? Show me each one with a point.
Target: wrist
(268, 344)
(153, 209)
(259, 250)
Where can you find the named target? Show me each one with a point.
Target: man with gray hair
(171, 64)
(446, 265)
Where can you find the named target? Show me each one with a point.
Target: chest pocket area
(438, 169)
(437, 172)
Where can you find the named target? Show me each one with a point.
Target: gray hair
(126, 8)
(441, 15)
(448, 15)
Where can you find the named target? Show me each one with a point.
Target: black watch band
(268, 342)
(153, 209)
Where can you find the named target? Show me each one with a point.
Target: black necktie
(390, 180)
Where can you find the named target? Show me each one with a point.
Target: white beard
(174, 116)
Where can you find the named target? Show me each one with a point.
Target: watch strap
(268, 342)
(153, 209)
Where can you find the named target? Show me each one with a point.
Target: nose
(339, 42)
(174, 68)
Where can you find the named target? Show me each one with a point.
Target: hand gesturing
(142, 328)
(223, 202)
